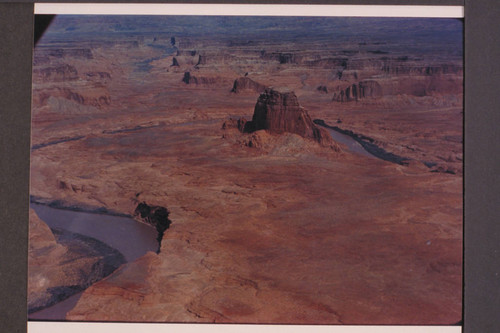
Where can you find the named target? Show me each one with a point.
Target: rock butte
(283, 230)
(280, 113)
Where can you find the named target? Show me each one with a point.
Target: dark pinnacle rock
(156, 216)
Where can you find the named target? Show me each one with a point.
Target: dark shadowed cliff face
(156, 216)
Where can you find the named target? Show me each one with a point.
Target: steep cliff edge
(280, 112)
(244, 83)
(360, 90)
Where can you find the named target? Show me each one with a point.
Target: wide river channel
(133, 239)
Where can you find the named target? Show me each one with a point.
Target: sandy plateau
(266, 226)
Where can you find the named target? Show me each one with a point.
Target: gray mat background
(481, 173)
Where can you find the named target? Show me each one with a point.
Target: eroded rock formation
(187, 79)
(191, 79)
(360, 90)
(322, 89)
(246, 84)
(156, 216)
(287, 58)
(236, 123)
(57, 73)
(73, 52)
(278, 113)
(283, 232)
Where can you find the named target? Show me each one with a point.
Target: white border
(250, 10)
(64, 327)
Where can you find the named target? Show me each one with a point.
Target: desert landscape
(279, 170)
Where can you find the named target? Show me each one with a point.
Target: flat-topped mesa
(244, 83)
(358, 91)
(279, 112)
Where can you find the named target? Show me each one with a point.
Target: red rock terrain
(269, 224)
(279, 113)
(62, 264)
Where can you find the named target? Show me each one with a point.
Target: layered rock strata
(190, 79)
(285, 232)
(246, 84)
(357, 91)
(279, 112)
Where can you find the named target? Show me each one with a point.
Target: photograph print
(247, 169)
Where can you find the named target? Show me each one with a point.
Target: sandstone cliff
(279, 112)
(188, 78)
(246, 84)
(360, 90)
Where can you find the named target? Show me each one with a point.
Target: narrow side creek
(129, 238)
(361, 144)
(351, 144)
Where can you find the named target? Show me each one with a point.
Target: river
(133, 239)
(361, 144)
(351, 144)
